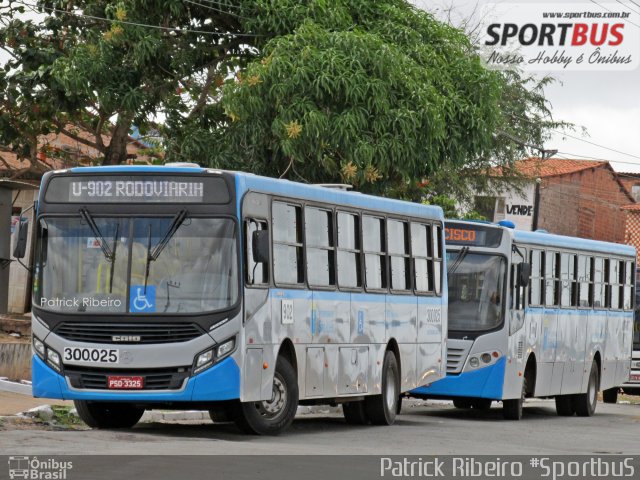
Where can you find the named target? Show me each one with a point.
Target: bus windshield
(136, 265)
(475, 291)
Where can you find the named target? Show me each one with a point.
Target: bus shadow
(491, 415)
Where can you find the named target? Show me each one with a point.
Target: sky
(605, 103)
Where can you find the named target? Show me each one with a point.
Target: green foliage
(380, 101)
(451, 210)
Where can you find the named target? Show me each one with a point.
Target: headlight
(39, 347)
(204, 358)
(486, 357)
(226, 348)
(53, 358)
(474, 362)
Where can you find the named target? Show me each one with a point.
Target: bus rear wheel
(270, 417)
(223, 412)
(462, 403)
(564, 405)
(108, 415)
(354, 413)
(481, 404)
(382, 409)
(585, 403)
(610, 395)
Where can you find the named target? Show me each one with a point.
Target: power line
(636, 4)
(157, 27)
(629, 21)
(626, 6)
(208, 7)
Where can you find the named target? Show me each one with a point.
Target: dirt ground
(6, 338)
(12, 403)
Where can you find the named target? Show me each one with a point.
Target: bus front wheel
(270, 417)
(108, 415)
(585, 403)
(564, 405)
(382, 409)
(512, 408)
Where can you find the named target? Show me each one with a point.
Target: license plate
(93, 355)
(125, 383)
(635, 378)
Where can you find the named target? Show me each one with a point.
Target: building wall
(632, 231)
(19, 277)
(585, 204)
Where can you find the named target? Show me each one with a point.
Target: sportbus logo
(561, 36)
(38, 469)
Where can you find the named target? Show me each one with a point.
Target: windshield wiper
(106, 250)
(458, 260)
(153, 256)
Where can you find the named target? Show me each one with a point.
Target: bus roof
(251, 182)
(545, 239)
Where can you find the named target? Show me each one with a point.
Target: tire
(585, 403)
(399, 406)
(381, 409)
(222, 412)
(564, 405)
(462, 403)
(481, 404)
(108, 415)
(610, 395)
(512, 408)
(271, 417)
(354, 413)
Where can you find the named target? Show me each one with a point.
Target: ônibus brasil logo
(38, 469)
(561, 36)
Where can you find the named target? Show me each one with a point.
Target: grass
(63, 417)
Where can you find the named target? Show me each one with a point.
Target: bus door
(520, 270)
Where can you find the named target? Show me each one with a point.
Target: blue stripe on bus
(137, 169)
(355, 297)
(551, 240)
(485, 382)
(576, 311)
(300, 191)
(220, 382)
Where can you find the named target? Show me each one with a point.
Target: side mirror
(20, 247)
(524, 272)
(260, 246)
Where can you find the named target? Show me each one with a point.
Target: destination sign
(137, 189)
(472, 235)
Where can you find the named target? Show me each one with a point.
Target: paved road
(424, 428)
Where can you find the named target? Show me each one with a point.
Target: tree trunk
(117, 150)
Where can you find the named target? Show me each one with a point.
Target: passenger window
(437, 258)
(349, 256)
(288, 266)
(256, 273)
(421, 249)
(599, 291)
(614, 284)
(551, 275)
(629, 269)
(537, 278)
(585, 280)
(318, 226)
(398, 241)
(374, 252)
(568, 280)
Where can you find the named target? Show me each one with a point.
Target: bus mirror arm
(524, 272)
(260, 246)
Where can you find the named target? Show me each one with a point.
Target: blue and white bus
(180, 287)
(534, 315)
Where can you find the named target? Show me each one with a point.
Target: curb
(13, 387)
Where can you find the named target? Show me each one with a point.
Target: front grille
(455, 359)
(153, 379)
(149, 333)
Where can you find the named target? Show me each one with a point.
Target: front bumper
(220, 382)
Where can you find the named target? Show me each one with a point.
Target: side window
(318, 224)
(607, 283)
(614, 283)
(628, 285)
(349, 250)
(585, 280)
(422, 251)
(288, 266)
(537, 281)
(373, 242)
(598, 283)
(255, 273)
(398, 242)
(568, 280)
(551, 279)
(437, 257)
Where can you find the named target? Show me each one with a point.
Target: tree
(101, 66)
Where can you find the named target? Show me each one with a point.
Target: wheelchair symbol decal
(141, 302)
